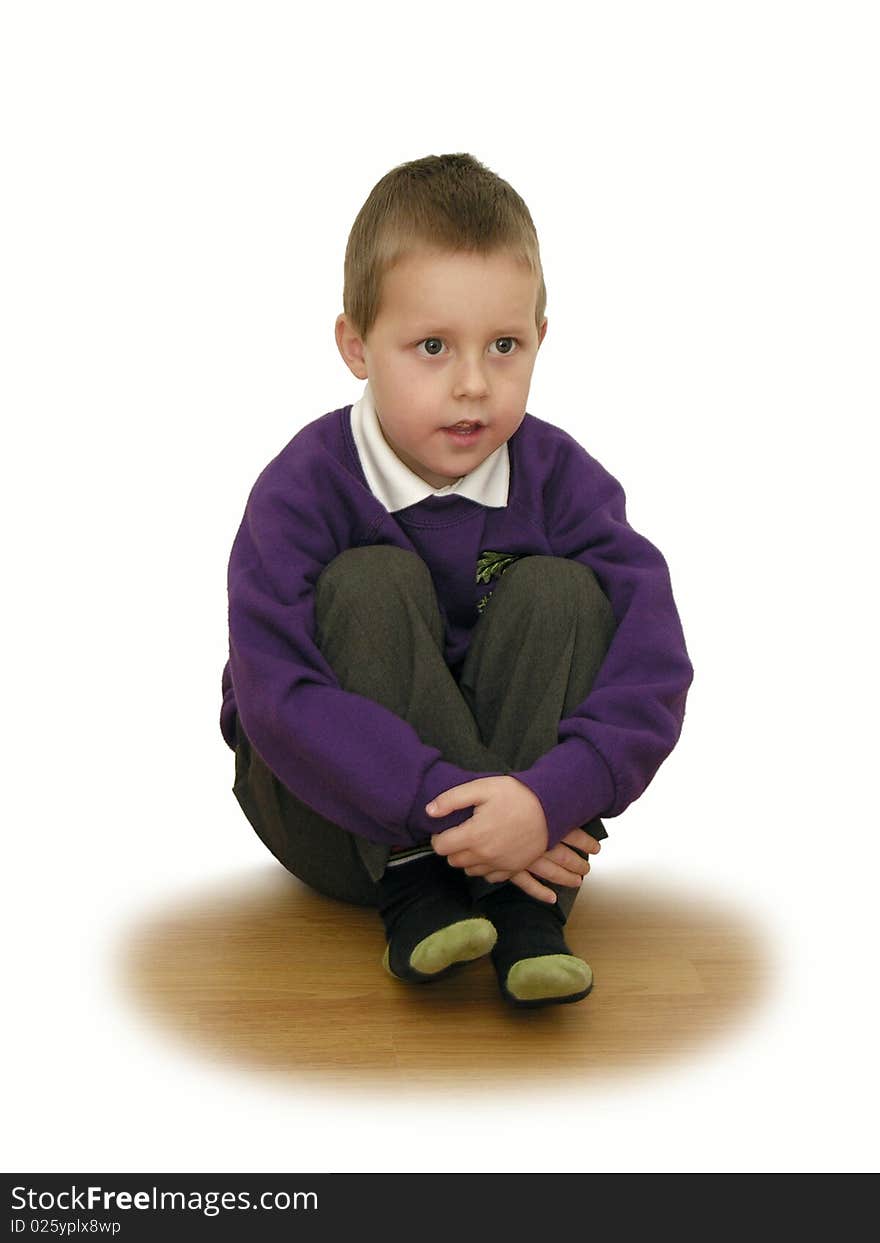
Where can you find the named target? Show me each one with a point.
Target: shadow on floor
(266, 974)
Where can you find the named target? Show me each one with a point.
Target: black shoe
(430, 924)
(533, 964)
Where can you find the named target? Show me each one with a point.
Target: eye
(433, 344)
(431, 341)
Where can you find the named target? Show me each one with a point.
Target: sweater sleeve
(610, 747)
(348, 757)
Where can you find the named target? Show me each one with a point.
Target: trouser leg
(314, 849)
(533, 657)
(379, 626)
(381, 631)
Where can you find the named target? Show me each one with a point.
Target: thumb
(455, 798)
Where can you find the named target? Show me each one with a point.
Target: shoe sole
(544, 1001)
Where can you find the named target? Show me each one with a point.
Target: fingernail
(432, 807)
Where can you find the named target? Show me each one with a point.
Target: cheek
(412, 392)
(421, 415)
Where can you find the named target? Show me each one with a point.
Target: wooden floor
(268, 975)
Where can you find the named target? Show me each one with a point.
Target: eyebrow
(510, 330)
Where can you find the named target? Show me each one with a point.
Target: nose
(470, 379)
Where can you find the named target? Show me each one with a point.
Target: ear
(351, 347)
(543, 332)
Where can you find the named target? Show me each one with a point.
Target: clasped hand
(506, 837)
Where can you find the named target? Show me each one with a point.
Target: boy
(450, 654)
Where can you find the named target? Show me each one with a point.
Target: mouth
(465, 431)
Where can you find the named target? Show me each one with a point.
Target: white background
(180, 180)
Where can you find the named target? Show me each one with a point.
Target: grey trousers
(533, 656)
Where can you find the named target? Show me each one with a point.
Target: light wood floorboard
(264, 974)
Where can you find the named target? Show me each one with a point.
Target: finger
(528, 884)
(495, 878)
(466, 795)
(568, 858)
(577, 837)
(559, 875)
(479, 869)
(451, 840)
(464, 858)
(574, 862)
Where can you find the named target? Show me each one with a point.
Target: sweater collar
(398, 487)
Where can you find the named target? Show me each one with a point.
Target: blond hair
(441, 202)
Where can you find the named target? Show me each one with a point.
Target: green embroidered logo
(492, 565)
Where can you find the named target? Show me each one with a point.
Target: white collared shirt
(396, 486)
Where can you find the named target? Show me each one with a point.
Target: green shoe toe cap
(549, 975)
(460, 942)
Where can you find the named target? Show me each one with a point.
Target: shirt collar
(397, 487)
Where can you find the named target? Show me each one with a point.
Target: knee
(357, 571)
(549, 573)
(561, 584)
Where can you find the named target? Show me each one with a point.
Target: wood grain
(267, 974)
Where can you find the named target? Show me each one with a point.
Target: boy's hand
(507, 831)
(560, 865)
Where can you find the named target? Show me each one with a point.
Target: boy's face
(455, 340)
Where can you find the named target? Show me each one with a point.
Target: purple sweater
(356, 762)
